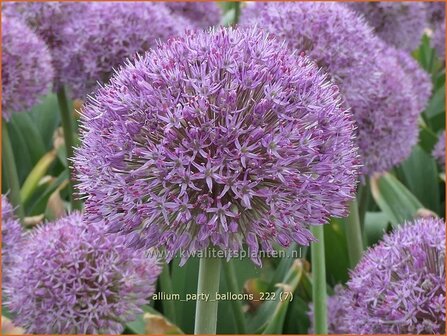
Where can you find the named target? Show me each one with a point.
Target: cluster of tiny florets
(11, 236)
(48, 20)
(373, 82)
(400, 24)
(108, 34)
(439, 150)
(71, 278)
(399, 285)
(218, 138)
(200, 14)
(27, 73)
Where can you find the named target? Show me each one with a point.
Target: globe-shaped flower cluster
(11, 237)
(218, 138)
(399, 285)
(400, 24)
(74, 279)
(48, 20)
(27, 73)
(108, 34)
(371, 78)
(439, 150)
(200, 14)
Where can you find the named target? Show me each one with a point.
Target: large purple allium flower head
(340, 41)
(11, 236)
(217, 138)
(48, 20)
(201, 14)
(439, 40)
(439, 150)
(420, 79)
(71, 278)
(111, 32)
(336, 312)
(399, 285)
(400, 24)
(27, 72)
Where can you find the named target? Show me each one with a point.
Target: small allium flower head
(110, 32)
(439, 40)
(48, 20)
(399, 285)
(439, 150)
(11, 236)
(71, 278)
(217, 138)
(201, 14)
(336, 312)
(27, 72)
(420, 79)
(400, 24)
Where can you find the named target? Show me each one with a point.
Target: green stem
(208, 284)
(354, 234)
(363, 199)
(67, 125)
(231, 281)
(166, 287)
(319, 294)
(10, 171)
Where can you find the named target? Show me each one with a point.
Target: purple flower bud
(439, 150)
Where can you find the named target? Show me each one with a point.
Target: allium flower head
(217, 138)
(400, 24)
(399, 285)
(11, 236)
(110, 32)
(439, 40)
(48, 20)
(27, 72)
(201, 14)
(340, 41)
(336, 312)
(439, 150)
(71, 278)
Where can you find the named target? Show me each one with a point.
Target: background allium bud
(400, 24)
(439, 40)
(11, 237)
(107, 34)
(420, 79)
(218, 138)
(71, 278)
(340, 41)
(27, 72)
(439, 150)
(336, 311)
(399, 285)
(48, 20)
(201, 14)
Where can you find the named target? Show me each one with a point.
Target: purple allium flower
(217, 138)
(399, 285)
(420, 79)
(27, 73)
(71, 278)
(439, 150)
(340, 41)
(439, 40)
(110, 32)
(201, 14)
(11, 236)
(400, 24)
(435, 12)
(336, 311)
(48, 20)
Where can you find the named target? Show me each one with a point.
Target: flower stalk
(166, 287)
(208, 283)
(10, 171)
(354, 234)
(231, 281)
(319, 295)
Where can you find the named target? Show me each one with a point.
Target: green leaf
(21, 154)
(376, 224)
(427, 139)
(336, 252)
(46, 118)
(394, 199)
